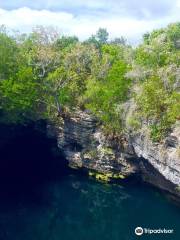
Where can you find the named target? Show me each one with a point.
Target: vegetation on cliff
(43, 74)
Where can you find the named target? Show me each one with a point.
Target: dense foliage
(44, 74)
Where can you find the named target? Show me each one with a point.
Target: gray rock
(164, 157)
(85, 146)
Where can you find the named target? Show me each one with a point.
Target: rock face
(85, 146)
(163, 157)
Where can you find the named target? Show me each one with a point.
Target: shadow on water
(41, 199)
(28, 160)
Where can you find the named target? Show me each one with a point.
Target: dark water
(42, 200)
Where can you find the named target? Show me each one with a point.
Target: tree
(65, 42)
(146, 38)
(109, 88)
(159, 98)
(8, 56)
(41, 53)
(80, 63)
(93, 41)
(43, 73)
(20, 97)
(119, 41)
(102, 35)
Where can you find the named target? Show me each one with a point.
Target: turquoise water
(40, 199)
(75, 207)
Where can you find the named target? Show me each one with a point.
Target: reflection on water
(77, 208)
(40, 199)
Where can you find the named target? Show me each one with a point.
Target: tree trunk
(58, 105)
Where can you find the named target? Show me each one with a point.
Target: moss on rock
(106, 177)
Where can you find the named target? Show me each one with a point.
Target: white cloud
(83, 26)
(27, 17)
(178, 4)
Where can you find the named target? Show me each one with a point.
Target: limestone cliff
(164, 156)
(85, 146)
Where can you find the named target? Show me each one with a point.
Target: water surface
(77, 208)
(41, 200)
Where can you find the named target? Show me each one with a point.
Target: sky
(128, 18)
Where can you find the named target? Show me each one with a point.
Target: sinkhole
(28, 157)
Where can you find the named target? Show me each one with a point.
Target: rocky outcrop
(85, 146)
(164, 157)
